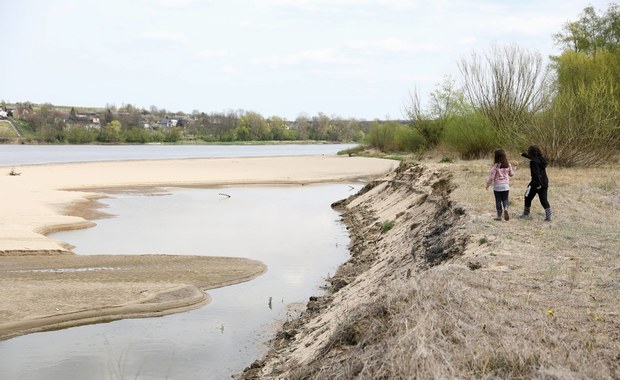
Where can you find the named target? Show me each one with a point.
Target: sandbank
(46, 286)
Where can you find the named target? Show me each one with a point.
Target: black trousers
(501, 199)
(531, 192)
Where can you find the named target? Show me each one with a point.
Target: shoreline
(54, 197)
(448, 292)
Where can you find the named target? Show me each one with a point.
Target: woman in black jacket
(539, 184)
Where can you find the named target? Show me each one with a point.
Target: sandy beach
(46, 286)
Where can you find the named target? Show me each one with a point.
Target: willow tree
(508, 85)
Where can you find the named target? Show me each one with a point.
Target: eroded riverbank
(446, 292)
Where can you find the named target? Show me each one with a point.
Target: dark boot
(506, 215)
(526, 213)
(548, 214)
(499, 215)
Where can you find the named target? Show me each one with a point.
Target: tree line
(509, 97)
(47, 123)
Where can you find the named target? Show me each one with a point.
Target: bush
(387, 225)
(172, 135)
(581, 128)
(80, 135)
(137, 136)
(394, 137)
(472, 136)
(429, 130)
(407, 139)
(381, 136)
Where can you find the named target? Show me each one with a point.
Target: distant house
(165, 122)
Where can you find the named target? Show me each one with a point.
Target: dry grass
(526, 299)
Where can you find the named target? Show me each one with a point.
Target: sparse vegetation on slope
(427, 300)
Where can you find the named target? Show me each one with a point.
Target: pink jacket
(500, 176)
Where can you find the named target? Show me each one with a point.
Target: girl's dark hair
(534, 151)
(500, 158)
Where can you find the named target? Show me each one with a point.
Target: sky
(344, 58)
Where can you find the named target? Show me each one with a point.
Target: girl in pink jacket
(499, 177)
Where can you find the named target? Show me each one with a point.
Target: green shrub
(381, 136)
(353, 151)
(394, 137)
(80, 135)
(172, 135)
(581, 127)
(472, 136)
(430, 131)
(407, 139)
(137, 136)
(387, 225)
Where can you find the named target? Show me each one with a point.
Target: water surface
(14, 155)
(292, 229)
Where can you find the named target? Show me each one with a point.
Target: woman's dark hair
(534, 151)
(500, 158)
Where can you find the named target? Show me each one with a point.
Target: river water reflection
(292, 229)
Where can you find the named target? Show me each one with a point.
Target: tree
(278, 128)
(111, 132)
(592, 32)
(448, 100)
(130, 117)
(319, 127)
(507, 85)
(421, 121)
(302, 126)
(582, 127)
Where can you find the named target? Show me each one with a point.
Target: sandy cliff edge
(444, 291)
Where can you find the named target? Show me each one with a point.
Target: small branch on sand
(13, 172)
(225, 195)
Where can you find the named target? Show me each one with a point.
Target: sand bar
(45, 286)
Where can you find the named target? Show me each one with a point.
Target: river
(292, 229)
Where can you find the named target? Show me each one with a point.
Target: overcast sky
(347, 58)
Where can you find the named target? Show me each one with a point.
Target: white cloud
(175, 3)
(393, 45)
(339, 4)
(341, 73)
(228, 69)
(175, 37)
(529, 25)
(324, 56)
(214, 54)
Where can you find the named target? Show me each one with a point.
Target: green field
(6, 131)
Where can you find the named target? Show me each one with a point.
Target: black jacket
(537, 170)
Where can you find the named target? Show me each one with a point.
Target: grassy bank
(448, 292)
